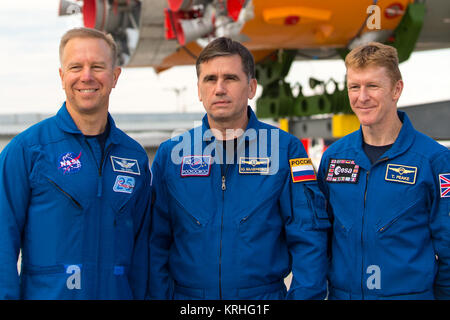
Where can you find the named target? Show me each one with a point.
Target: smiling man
(75, 191)
(237, 203)
(387, 190)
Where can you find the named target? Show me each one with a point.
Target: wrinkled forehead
(84, 45)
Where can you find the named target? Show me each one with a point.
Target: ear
(198, 91)
(398, 88)
(252, 88)
(61, 75)
(116, 73)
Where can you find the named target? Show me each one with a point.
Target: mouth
(363, 108)
(221, 102)
(87, 90)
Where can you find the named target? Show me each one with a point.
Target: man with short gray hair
(75, 191)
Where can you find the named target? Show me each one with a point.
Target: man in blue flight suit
(75, 191)
(387, 187)
(237, 203)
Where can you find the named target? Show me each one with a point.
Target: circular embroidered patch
(69, 163)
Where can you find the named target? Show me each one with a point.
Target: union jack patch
(444, 182)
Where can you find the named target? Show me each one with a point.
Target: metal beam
(431, 119)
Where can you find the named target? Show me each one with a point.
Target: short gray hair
(89, 33)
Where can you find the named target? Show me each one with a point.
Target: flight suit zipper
(99, 194)
(99, 167)
(362, 226)
(224, 188)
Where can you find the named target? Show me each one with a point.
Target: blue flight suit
(82, 222)
(235, 229)
(391, 223)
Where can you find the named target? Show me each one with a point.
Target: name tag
(401, 173)
(125, 165)
(253, 165)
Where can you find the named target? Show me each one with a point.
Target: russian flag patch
(302, 170)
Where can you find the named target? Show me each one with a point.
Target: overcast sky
(29, 82)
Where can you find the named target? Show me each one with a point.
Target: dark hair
(222, 47)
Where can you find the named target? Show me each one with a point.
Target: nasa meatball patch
(342, 170)
(69, 162)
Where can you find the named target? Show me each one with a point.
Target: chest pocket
(54, 190)
(409, 217)
(65, 193)
(55, 222)
(187, 215)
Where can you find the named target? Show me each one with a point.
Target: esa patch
(125, 165)
(401, 173)
(444, 183)
(195, 166)
(342, 170)
(69, 162)
(124, 184)
(302, 170)
(253, 165)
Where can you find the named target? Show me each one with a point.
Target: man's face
(87, 75)
(372, 95)
(224, 89)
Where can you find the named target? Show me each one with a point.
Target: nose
(86, 74)
(219, 89)
(363, 94)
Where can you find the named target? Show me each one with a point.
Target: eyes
(79, 67)
(354, 87)
(226, 77)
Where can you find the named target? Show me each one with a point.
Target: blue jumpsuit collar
(65, 122)
(252, 123)
(402, 143)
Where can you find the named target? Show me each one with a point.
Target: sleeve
(321, 176)
(160, 287)
(306, 225)
(440, 223)
(139, 271)
(14, 198)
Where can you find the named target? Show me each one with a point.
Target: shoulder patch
(444, 183)
(342, 170)
(302, 170)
